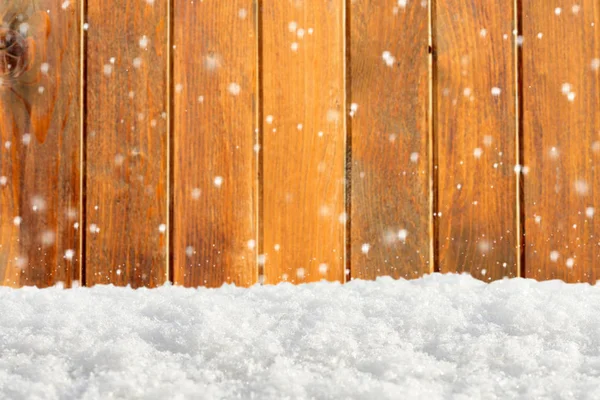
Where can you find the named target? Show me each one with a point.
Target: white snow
(439, 337)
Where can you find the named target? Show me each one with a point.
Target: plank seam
(520, 216)
(170, 174)
(82, 142)
(259, 140)
(432, 146)
(348, 136)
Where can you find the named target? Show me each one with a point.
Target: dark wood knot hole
(14, 55)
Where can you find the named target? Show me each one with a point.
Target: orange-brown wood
(476, 128)
(390, 204)
(215, 175)
(39, 149)
(126, 136)
(304, 142)
(561, 139)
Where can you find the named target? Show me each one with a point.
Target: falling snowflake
(388, 58)
(261, 259)
(323, 268)
(189, 251)
(484, 246)
(581, 187)
(365, 248)
(143, 42)
(47, 238)
(402, 235)
(234, 88)
(69, 254)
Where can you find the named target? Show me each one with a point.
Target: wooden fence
(209, 141)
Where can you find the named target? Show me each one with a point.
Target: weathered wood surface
(215, 158)
(561, 139)
(389, 77)
(216, 136)
(304, 142)
(126, 137)
(39, 149)
(475, 121)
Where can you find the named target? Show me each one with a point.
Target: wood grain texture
(215, 109)
(303, 136)
(561, 139)
(126, 142)
(39, 152)
(390, 158)
(476, 128)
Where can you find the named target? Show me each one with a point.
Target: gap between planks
(258, 196)
(432, 145)
(519, 201)
(347, 29)
(170, 167)
(82, 140)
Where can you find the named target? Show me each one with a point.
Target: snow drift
(439, 337)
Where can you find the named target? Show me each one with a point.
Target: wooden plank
(215, 175)
(475, 124)
(127, 131)
(303, 134)
(39, 153)
(561, 139)
(390, 210)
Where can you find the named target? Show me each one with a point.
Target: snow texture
(439, 337)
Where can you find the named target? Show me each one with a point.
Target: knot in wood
(14, 59)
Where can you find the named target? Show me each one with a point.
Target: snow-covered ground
(440, 337)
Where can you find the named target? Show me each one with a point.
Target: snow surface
(440, 337)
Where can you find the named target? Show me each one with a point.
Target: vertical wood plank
(39, 153)
(561, 139)
(390, 213)
(126, 142)
(215, 108)
(475, 123)
(303, 134)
